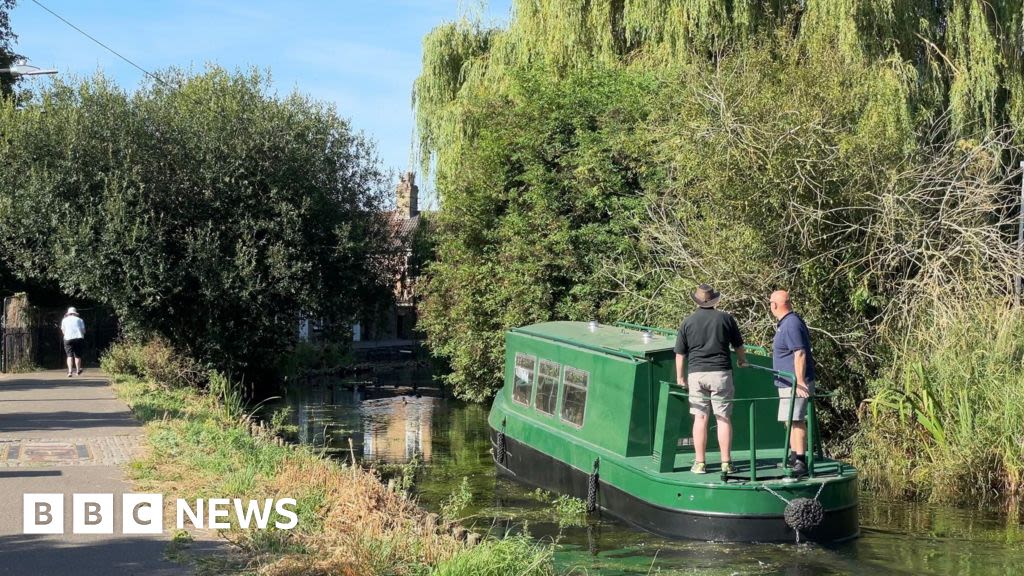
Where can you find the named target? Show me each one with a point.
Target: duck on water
(592, 411)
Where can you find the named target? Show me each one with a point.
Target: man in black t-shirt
(702, 345)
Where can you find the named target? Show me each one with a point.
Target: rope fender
(592, 485)
(802, 514)
(499, 452)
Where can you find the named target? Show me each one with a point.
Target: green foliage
(124, 359)
(515, 555)
(205, 210)
(636, 132)
(156, 361)
(524, 233)
(570, 511)
(945, 420)
(7, 55)
(455, 505)
(598, 160)
(228, 394)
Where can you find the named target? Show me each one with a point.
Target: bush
(124, 359)
(156, 361)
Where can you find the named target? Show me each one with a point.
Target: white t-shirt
(73, 327)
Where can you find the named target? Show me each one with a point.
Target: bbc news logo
(143, 513)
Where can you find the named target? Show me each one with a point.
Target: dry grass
(366, 529)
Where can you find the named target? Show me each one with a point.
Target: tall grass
(511, 556)
(946, 423)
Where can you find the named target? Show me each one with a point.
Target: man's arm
(736, 339)
(681, 370)
(741, 357)
(800, 367)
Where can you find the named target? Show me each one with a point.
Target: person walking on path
(702, 345)
(73, 328)
(791, 352)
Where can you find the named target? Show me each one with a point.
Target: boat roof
(614, 339)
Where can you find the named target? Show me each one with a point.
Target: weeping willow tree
(585, 151)
(964, 53)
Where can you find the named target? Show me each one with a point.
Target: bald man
(791, 352)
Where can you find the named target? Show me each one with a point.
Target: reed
(946, 422)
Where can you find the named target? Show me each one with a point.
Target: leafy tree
(756, 141)
(202, 209)
(523, 235)
(7, 55)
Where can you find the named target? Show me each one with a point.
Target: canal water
(405, 420)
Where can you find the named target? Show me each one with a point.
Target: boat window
(547, 386)
(525, 366)
(574, 395)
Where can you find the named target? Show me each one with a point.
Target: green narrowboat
(592, 411)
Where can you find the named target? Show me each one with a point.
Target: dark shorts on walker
(74, 348)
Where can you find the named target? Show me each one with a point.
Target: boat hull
(531, 466)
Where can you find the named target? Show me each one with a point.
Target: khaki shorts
(717, 385)
(799, 408)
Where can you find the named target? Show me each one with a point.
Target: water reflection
(390, 423)
(384, 423)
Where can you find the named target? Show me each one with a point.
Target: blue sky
(361, 55)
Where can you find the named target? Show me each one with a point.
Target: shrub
(156, 361)
(124, 359)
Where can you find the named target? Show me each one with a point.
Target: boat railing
(673, 402)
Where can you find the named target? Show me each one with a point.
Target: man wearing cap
(702, 346)
(791, 352)
(73, 329)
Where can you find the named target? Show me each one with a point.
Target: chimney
(408, 196)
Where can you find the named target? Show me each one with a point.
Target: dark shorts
(74, 348)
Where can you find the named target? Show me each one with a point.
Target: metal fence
(42, 344)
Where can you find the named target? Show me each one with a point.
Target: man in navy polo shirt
(791, 352)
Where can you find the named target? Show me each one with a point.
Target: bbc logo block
(92, 513)
(144, 513)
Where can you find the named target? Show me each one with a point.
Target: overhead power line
(108, 48)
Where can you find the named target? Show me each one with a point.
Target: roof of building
(403, 226)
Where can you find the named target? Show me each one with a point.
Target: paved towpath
(69, 435)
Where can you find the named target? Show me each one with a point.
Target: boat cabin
(614, 386)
